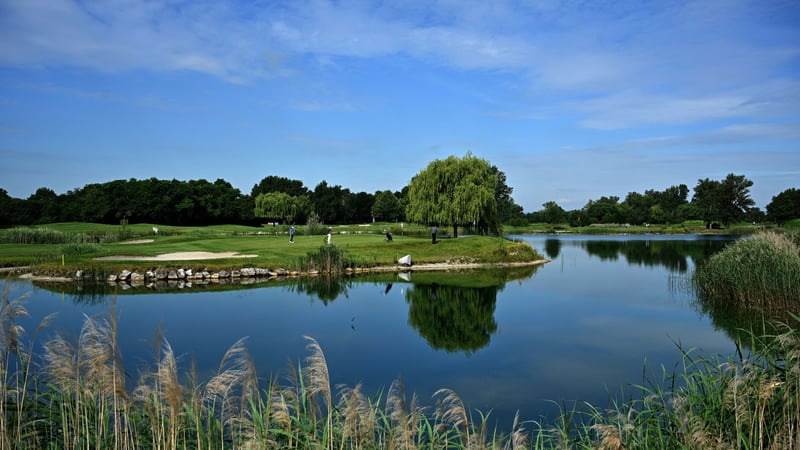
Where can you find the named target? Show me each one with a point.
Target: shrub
(761, 271)
(328, 259)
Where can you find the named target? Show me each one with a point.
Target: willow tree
(455, 192)
(279, 205)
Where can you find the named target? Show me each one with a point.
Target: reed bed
(758, 272)
(76, 395)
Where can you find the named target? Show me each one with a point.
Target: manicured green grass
(269, 246)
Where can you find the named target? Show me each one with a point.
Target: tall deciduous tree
(723, 201)
(455, 191)
(274, 183)
(507, 209)
(552, 213)
(387, 207)
(784, 206)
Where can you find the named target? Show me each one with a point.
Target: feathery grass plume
(229, 392)
(90, 378)
(519, 437)
(359, 416)
(10, 371)
(404, 416)
(10, 331)
(319, 384)
(160, 394)
(450, 410)
(614, 435)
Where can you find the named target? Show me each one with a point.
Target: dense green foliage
(199, 203)
(280, 206)
(723, 201)
(760, 272)
(455, 192)
(784, 206)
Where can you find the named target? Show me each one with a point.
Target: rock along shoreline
(181, 275)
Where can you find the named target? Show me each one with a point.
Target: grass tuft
(758, 272)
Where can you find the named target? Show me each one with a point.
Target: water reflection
(508, 340)
(672, 254)
(552, 248)
(453, 318)
(740, 321)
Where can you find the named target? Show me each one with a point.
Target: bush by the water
(761, 271)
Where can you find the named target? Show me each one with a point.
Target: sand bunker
(180, 256)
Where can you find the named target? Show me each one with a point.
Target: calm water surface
(580, 328)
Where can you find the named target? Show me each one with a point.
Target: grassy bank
(76, 246)
(78, 393)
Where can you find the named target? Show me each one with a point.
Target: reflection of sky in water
(581, 328)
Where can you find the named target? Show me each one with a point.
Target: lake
(580, 328)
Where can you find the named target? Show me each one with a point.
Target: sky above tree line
(572, 100)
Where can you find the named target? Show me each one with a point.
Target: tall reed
(327, 259)
(762, 271)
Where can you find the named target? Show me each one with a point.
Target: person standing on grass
(434, 230)
(291, 234)
(330, 230)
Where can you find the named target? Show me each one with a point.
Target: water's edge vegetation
(78, 394)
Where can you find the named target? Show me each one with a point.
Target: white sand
(180, 256)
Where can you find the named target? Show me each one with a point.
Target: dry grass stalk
(614, 435)
(319, 384)
(404, 416)
(161, 395)
(451, 410)
(229, 392)
(360, 418)
(12, 382)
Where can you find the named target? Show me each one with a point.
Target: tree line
(456, 191)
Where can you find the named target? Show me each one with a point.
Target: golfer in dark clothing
(434, 230)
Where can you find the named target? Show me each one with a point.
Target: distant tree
(330, 203)
(754, 215)
(387, 207)
(359, 209)
(723, 201)
(455, 192)
(603, 210)
(578, 218)
(552, 213)
(274, 183)
(10, 209)
(784, 206)
(506, 208)
(42, 206)
(278, 206)
(670, 201)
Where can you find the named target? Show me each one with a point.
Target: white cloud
(619, 65)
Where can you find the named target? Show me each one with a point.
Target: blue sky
(573, 100)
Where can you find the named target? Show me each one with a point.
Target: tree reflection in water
(453, 318)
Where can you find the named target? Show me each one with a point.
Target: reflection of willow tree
(670, 254)
(552, 247)
(325, 288)
(453, 318)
